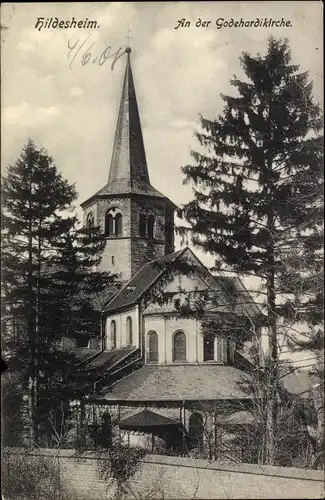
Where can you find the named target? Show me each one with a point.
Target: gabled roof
(237, 290)
(132, 292)
(181, 382)
(229, 288)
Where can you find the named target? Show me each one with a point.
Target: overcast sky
(71, 109)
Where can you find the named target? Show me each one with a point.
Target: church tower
(137, 220)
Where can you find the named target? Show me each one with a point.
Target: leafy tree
(49, 282)
(247, 180)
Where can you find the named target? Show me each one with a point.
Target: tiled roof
(107, 359)
(140, 282)
(101, 298)
(180, 382)
(121, 186)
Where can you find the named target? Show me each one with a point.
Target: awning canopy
(147, 421)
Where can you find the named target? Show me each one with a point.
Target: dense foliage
(257, 184)
(50, 287)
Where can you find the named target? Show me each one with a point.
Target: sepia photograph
(162, 250)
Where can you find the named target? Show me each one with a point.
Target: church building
(156, 373)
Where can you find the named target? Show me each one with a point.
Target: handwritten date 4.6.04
(88, 56)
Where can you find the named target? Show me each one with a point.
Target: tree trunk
(318, 398)
(31, 341)
(32, 337)
(271, 410)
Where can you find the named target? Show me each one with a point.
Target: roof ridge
(147, 265)
(178, 252)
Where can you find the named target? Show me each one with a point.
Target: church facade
(157, 373)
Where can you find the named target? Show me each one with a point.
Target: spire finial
(128, 38)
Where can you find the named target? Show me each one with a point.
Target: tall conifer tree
(249, 182)
(49, 280)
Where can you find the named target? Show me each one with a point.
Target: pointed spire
(128, 171)
(128, 165)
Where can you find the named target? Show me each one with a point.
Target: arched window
(118, 225)
(129, 330)
(109, 224)
(142, 225)
(208, 347)
(196, 429)
(90, 221)
(153, 347)
(179, 346)
(150, 226)
(113, 334)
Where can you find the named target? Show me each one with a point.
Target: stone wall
(120, 247)
(127, 253)
(173, 477)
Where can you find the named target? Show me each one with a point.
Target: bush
(26, 476)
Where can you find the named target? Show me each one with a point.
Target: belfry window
(90, 222)
(118, 225)
(109, 220)
(113, 223)
(142, 225)
(147, 226)
(150, 226)
(179, 347)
